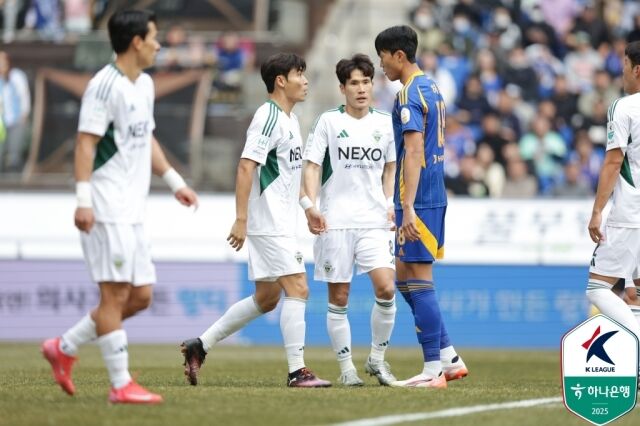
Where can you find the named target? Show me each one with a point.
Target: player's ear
(136, 42)
(281, 81)
(342, 88)
(399, 55)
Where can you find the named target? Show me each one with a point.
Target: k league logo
(599, 370)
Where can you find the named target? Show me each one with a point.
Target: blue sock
(404, 291)
(427, 317)
(444, 337)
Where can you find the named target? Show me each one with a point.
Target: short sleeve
(261, 137)
(618, 126)
(412, 110)
(317, 142)
(390, 152)
(95, 114)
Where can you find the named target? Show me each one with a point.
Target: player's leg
(339, 331)
(238, 315)
(375, 256)
(634, 299)
(293, 328)
(333, 254)
(415, 261)
(613, 259)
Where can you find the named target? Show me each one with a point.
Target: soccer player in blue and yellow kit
(420, 202)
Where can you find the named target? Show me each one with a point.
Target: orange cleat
(61, 364)
(133, 393)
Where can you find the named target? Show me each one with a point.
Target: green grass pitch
(246, 386)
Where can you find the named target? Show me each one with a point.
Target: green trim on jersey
(104, 88)
(113, 64)
(342, 109)
(612, 109)
(270, 171)
(315, 123)
(272, 119)
(327, 170)
(106, 148)
(625, 170)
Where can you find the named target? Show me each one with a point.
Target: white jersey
(623, 132)
(352, 153)
(121, 113)
(274, 142)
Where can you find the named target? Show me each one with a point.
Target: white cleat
(422, 381)
(350, 378)
(454, 370)
(381, 370)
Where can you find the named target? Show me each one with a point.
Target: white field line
(450, 412)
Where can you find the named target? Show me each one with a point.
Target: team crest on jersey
(405, 115)
(328, 267)
(298, 257)
(377, 135)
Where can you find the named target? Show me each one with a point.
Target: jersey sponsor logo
(139, 129)
(438, 158)
(295, 154)
(359, 153)
(405, 115)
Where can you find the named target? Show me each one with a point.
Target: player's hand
(409, 227)
(238, 234)
(187, 197)
(391, 217)
(594, 227)
(84, 219)
(315, 221)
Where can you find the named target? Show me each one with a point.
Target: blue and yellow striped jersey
(419, 108)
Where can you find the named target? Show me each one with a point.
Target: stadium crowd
(527, 86)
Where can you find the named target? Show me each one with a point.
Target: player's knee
(142, 302)
(386, 292)
(338, 294)
(267, 302)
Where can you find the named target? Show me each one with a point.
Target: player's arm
(388, 180)
(160, 166)
(311, 173)
(244, 178)
(83, 167)
(606, 183)
(618, 131)
(413, 159)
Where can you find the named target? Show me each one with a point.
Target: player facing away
(617, 254)
(115, 155)
(267, 194)
(351, 149)
(420, 202)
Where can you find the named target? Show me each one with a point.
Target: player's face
(390, 65)
(149, 46)
(630, 76)
(296, 86)
(357, 90)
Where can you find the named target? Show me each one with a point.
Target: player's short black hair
(280, 64)
(400, 37)
(359, 61)
(124, 25)
(632, 51)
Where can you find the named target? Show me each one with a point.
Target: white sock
(339, 331)
(432, 368)
(114, 352)
(80, 333)
(447, 354)
(383, 318)
(236, 317)
(292, 326)
(600, 294)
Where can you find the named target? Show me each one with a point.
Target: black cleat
(194, 356)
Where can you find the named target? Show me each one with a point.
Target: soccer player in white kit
(267, 197)
(115, 155)
(351, 151)
(617, 254)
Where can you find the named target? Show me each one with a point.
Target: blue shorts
(430, 246)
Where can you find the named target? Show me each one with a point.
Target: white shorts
(618, 255)
(118, 252)
(272, 257)
(337, 250)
